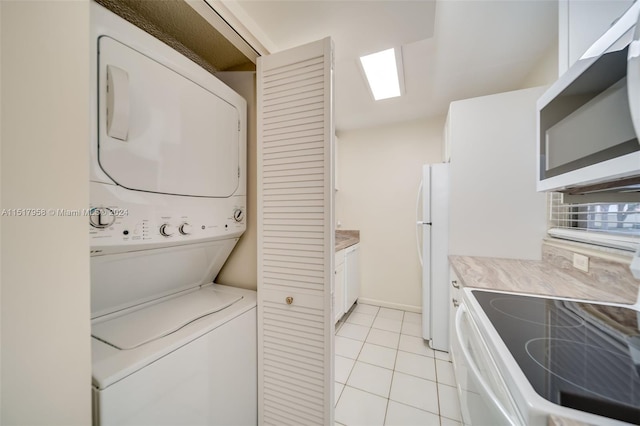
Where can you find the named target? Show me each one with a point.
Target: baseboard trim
(391, 305)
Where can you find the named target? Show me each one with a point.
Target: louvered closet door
(295, 236)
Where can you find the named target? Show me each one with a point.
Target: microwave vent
(627, 185)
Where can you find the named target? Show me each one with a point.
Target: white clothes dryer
(168, 196)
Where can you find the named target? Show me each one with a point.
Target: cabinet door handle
(455, 284)
(289, 300)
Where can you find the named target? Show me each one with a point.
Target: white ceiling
(452, 49)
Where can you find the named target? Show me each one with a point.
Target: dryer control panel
(122, 220)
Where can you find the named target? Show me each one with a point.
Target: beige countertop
(346, 238)
(554, 275)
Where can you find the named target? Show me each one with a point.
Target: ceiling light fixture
(383, 73)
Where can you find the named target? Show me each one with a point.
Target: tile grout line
(356, 360)
(359, 352)
(435, 364)
(393, 370)
(335, 332)
(393, 375)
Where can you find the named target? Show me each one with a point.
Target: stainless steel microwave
(588, 120)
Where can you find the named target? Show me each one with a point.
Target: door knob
(289, 300)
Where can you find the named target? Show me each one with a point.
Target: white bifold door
(295, 236)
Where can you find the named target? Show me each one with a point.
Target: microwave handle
(633, 78)
(419, 223)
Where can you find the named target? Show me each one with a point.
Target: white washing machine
(168, 196)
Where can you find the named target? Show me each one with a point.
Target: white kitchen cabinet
(338, 291)
(352, 276)
(582, 22)
(346, 280)
(336, 169)
(455, 296)
(494, 207)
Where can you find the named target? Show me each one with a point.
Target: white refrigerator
(432, 236)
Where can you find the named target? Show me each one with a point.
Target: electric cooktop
(579, 355)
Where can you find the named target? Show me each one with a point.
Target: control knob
(166, 230)
(185, 229)
(101, 217)
(238, 215)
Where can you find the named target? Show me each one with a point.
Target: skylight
(382, 74)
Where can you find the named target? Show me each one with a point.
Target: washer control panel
(101, 217)
(145, 220)
(238, 214)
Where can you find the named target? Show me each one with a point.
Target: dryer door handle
(117, 103)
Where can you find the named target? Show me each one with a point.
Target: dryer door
(162, 132)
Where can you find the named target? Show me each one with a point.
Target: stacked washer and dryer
(168, 196)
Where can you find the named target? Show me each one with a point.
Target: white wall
(45, 349)
(241, 269)
(378, 176)
(546, 71)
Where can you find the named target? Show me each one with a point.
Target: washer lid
(144, 325)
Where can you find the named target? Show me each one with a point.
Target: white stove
(521, 358)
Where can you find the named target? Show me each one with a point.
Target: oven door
(484, 398)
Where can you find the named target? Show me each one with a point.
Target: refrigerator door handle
(418, 222)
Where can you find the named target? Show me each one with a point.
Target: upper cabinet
(582, 22)
(492, 137)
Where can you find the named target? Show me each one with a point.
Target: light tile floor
(386, 374)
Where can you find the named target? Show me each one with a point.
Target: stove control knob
(166, 230)
(185, 229)
(101, 217)
(238, 215)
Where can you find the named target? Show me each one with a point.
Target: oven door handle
(474, 368)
